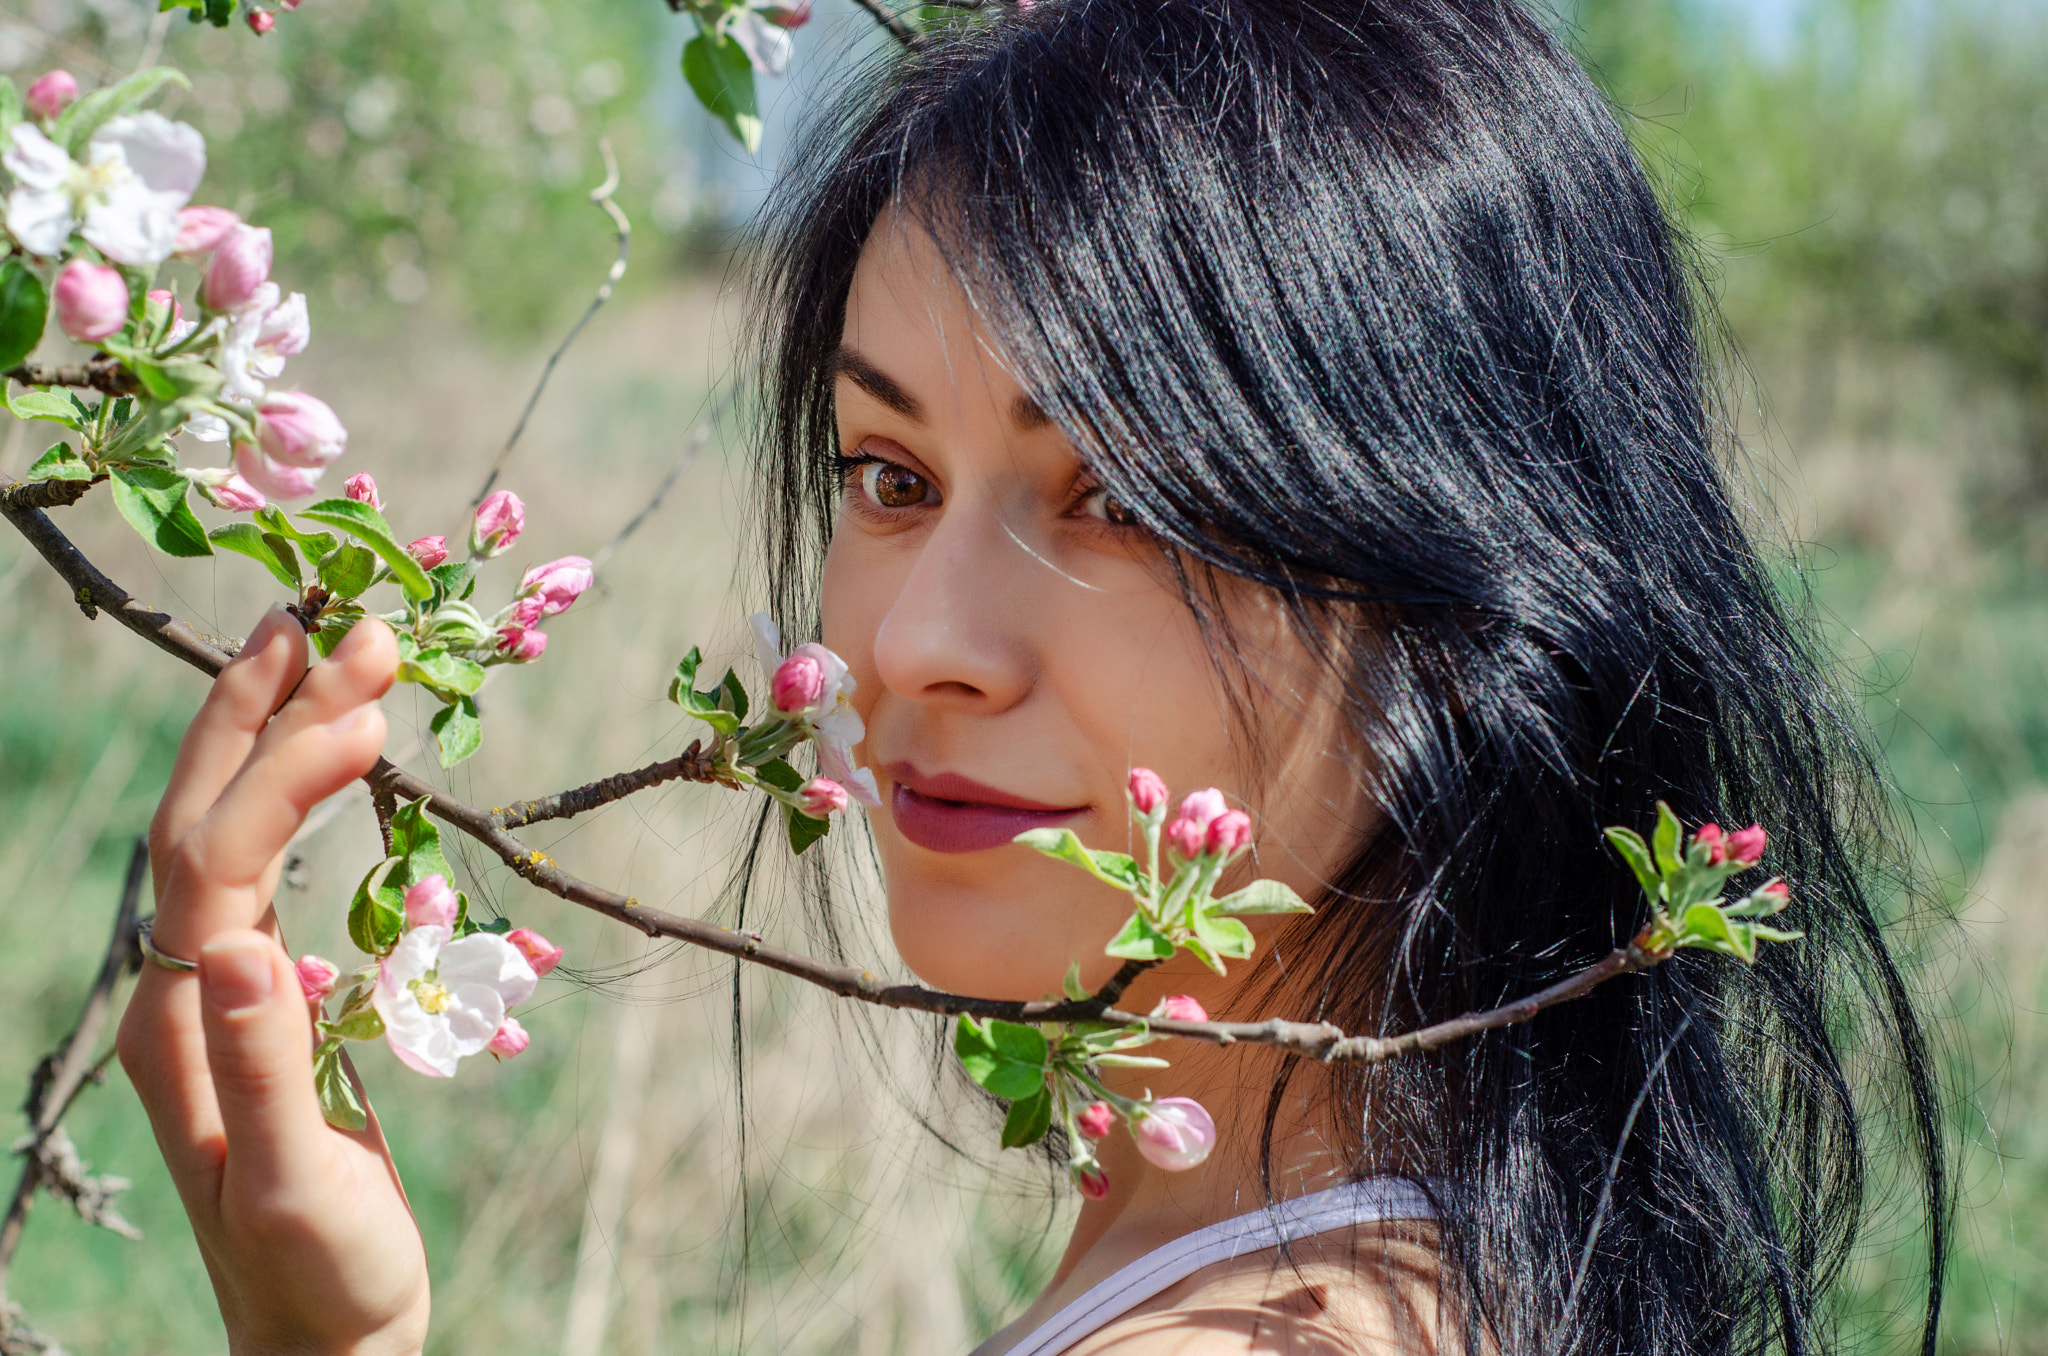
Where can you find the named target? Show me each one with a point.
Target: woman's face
(1019, 649)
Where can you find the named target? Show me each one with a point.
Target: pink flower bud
(428, 551)
(241, 264)
(261, 21)
(92, 301)
(1091, 1181)
(168, 301)
(1714, 841)
(1175, 1134)
(201, 229)
(296, 429)
(1181, 1008)
(229, 491)
(557, 583)
(509, 1039)
(499, 521)
(1095, 1120)
(794, 15)
(1779, 891)
(51, 93)
(542, 954)
(522, 644)
(823, 797)
(1229, 832)
(1747, 845)
(317, 977)
(1189, 830)
(526, 611)
(1146, 790)
(278, 482)
(362, 489)
(798, 683)
(430, 903)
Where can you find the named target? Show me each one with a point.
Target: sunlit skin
(1010, 629)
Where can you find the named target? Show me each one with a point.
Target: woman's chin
(955, 943)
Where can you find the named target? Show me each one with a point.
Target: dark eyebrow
(847, 362)
(1026, 414)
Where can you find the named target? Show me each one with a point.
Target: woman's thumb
(259, 1048)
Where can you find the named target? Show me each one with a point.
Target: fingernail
(358, 636)
(235, 974)
(261, 634)
(352, 722)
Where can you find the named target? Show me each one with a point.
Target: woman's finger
(259, 1041)
(253, 685)
(360, 670)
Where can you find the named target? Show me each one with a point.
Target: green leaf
(732, 695)
(48, 406)
(803, 829)
(1226, 937)
(347, 570)
(361, 1025)
(1111, 868)
(260, 546)
(780, 775)
(1004, 1057)
(1636, 853)
(446, 673)
(457, 731)
(1706, 926)
(1070, 983)
(1260, 897)
(453, 577)
(334, 628)
(722, 77)
(1140, 941)
(367, 525)
(1029, 1119)
(317, 544)
(338, 1100)
(76, 124)
(59, 463)
(287, 556)
(153, 501)
(1668, 831)
(1770, 934)
(176, 378)
(418, 840)
(1115, 1061)
(376, 913)
(24, 310)
(703, 705)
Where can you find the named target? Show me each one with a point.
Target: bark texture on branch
(46, 494)
(94, 374)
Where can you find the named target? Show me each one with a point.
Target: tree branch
(891, 24)
(47, 494)
(1320, 1040)
(94, 374)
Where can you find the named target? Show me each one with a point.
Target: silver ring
(148, 945)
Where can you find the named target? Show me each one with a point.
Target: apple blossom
(261, 21)
(428, 551)
(1714, 841)
(201, 229)
(511, 1038)
(241, 264)
(91, 301)
(557, 584)
(822, 797)
(499, 521)
(540, 953)
(317, 977)
(1229, 832)
(1095, 1120)
(522, 644)
(227, 489)
(525, 612)
(788, 16)
(1092, 1181)
(763, 38)
(1779, 891)
(835, 725)
(1747, 845)
(138, 171)
(1146, 790)
(278, 482)
(261, 335)
(443, 999)
(1181, 1008)
(1189, 829)
(299, 430)
(363, 489)
(51, 93)
(798, 683)
(430, 902)
(1175, 1133)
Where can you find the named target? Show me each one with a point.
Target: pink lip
(946, 812)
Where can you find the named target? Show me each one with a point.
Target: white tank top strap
(1342, 1207)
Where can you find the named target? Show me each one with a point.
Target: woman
(1304, 398)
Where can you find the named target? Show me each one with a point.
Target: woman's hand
(305, 1229)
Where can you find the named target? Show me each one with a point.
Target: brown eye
(894, 486)
(1098, 504)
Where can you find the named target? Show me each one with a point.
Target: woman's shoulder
(1373, 1291)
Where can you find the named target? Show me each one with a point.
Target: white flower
(138, 171)
(442, 1000)
(260, 336)
(837, 725)
(767, 45)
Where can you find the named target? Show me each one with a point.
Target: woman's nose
(955, 634)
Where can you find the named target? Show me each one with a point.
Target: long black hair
(1369, 301)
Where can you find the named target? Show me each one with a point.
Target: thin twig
(693, 764)
(602, 196)
(47, 494)
(49, 1161)
(891, 24)
(385, 805)
(1319, 1040)
(94, 374)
